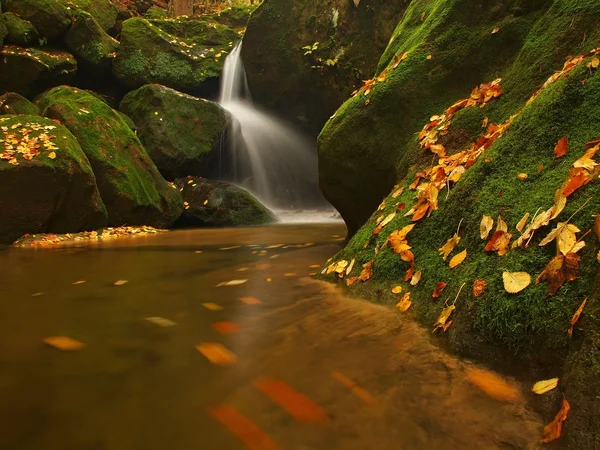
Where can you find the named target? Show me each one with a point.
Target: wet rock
(131, 187)
(307, 86)
(181, 54)
(211, 203)
(43, 194)
(20, 31)
(30, 71)
(51, 18)
(94, 49)
(15, 104)
(179, 131)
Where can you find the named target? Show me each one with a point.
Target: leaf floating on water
(479, 287)
(217, 354)
(492, 385)
(160, 321)
(439, 287)
(250, 300)
(561, 147)
(230, 248)
(293, 274)
(541, 387)
(576, 316)
(553, 430)
(268, 280)
(232, 283)
(64, 343)
(396, 289)
(416, 278)
(79, 282)
(120, 282)
(226, 327)
(404, 304)
(487, 223)
(37, 294)
(314, 266)
(458, 259)
(516, 281)
(212, 306)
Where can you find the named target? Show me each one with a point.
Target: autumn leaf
(576, 316)
(553, 430)
(495, 30)
(561, 147)
(458, 259)
(52, 155)
(404, 303)
(397, 238)
(385, 221)
(522, 176)
(217, 354)
(516, 281)
(501, 225)
(487, 223)
(398, 193)
(560, 269)
(416, 278)
(396, 289)
(443, 318)
(439, 287)
(399, 58)
(479, 287)
(597, 225)
(500, 242)
(485, 122)
(120, 282)
(493, 385)
(350, 267)
(541, 387)
(367, 271)
(564, 233)
(351, 281)
(64, 343)
(522, 223)
(449, 246)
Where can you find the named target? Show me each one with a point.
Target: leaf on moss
(479, 287)
(416, 278)
(561, 147)
(576, 316)
(516, 281)
(449, 246)
(458, 259)
(553, 430)
(487, 223)
(383, 223)
(396, 289)
(404, 303)
(443, 318)
(560, 269)
(367, 271)
(522, 223)
(439, 287)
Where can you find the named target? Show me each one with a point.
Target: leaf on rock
(404, 303)
(458, 259)
(439, 287)
(501, 225)
(398, 193)
(560, 269)
(495, 30)
(576, 316)
(487, 223)
(561, 147)
(553, 430)
(564, 233)
(350, 281)
(350, 267)
(541, 387)
(449, 246)
(479, 287)
(416, 278)
(597, 225)
(516, 281)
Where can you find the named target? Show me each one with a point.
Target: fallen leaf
(160, 321)
(501, 225)
(485, 122)
(350, 267)
(495, 30)
(522, 223)
(561, 147)
(398, 193)
(458, 259)
(351, 281)
(516, 281)
(444, 316)
(416, 278)
(212, 306)
(597, 225)
(226, 327)
(217, 354)
(576, 316)
(422, 16)
(429, 57)
(439, 287)
(396, 289)
(522, 176)
(385, 221)
(64, 343)
(541, 387)
(487, 223)
(120, 282)
(449, 246)
(560, 269)
(405, 303)
(52, 155)
(564, 233)
(493, 385)
(540, 168)
(367, 271)
(479, 287)
(79, 282)
(553, 430)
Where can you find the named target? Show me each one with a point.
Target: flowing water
(299, 365)
(269, 158)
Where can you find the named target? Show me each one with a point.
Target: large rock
(51, 192)
(211, 203)
(20, 31)
(12, 103)
(104, 11)
(308, 86)
(3, 30)
(94, 49)
(51, 18)
(181, 54)
(131, 187)
(30, 71)
(179, 131)
(235, 17)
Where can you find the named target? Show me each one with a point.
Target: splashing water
(267, 157)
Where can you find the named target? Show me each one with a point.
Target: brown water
(314, 369)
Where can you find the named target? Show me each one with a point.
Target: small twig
(462, 286)
(580, 208)
(458, 229)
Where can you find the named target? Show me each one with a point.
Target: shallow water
(314, 369)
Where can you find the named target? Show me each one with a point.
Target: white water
(267, 157)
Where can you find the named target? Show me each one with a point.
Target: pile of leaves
(26, 141)
(49, 240)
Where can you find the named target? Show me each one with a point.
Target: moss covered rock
(307, 85)
(51, 18)
(20, 31)
(211, 203)
(179, 131)
(51, 192)
(30, 71)
(235, 17)
(104, 11)
(15, 104)
(181, 54)
(86, 39)
(156, 13)
(131, 187)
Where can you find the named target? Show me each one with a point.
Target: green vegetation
(20, 32)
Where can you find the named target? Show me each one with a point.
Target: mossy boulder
(181, 54)
(104, 11)
(179, 131)
(131, 187)
(53, 192)
(92, 46)
(20, 31)
(235, 17)
(51, 18)
(211, 203)
(12, 103)
(30, 71)
(307, 86)
(156, 13)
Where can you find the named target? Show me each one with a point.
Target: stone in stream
(131, 186)
(179, 131)
(20, 31)
(13, 103)
(51, 192)
(211, 203)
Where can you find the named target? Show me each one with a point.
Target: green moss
(156, 13)
(15, 104)
(104, 11)
(20, 32)
(235, 17)
(179, 131)
(51, 18)
(133, 190)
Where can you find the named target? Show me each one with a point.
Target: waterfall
(262, 154)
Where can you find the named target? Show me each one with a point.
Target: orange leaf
(576, 316)
(217, 354)
(492, 385)
(404, 303)
(458, 259)
(66, 344)
(560, 269)
(597, 225)
(479, 287)
(367, 271)
(553, 430)
(439, 287)
(490, 247)
(561, 147)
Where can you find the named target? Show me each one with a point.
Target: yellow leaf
(416, 278)
(522, 223)
(485, 122)
(458, 259)
(495, 30)
(217, 354)
(429, 56)
(450, 245)
(398, 193)
(553, 430)
(396, 289)
(501, 225)
(576, 316)
(404, 303)
(444, 316)
(120, 282)
(52, 155)
(350, 267)
(212, 306)
(516, 281)
(487, 223)
(522, 176)
(541, 387)
(387, 220)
